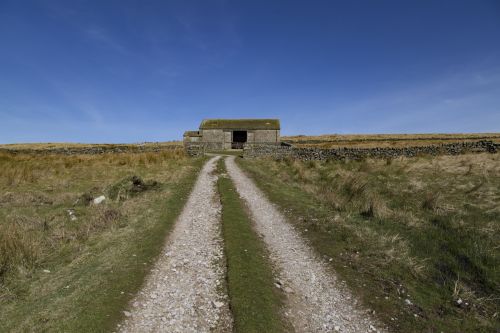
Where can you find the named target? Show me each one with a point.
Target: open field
(384, 140)
(56, 145)
(418, 240)
(67, 264)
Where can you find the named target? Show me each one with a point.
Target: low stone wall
(305, 154)
(195, 149)
(90, 150)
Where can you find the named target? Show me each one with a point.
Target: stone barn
(234, 133)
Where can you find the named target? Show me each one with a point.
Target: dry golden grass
(425, 229)
(38, 190)
(37, 233)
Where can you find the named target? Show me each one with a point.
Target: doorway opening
(239, 138)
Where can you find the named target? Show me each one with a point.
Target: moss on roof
(272, 124)
(192, 133)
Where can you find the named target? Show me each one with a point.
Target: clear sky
(133, 71)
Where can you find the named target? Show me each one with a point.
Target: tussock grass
(18, 248)
(64, 274)
(255, 302)
(424, 229)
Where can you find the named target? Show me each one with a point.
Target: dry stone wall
(306, 154)
(198, 148)
(91, 150)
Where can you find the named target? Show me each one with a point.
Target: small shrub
(85, 199)
(129, 187)
(109, 216)
(375, 207)
(431, 201)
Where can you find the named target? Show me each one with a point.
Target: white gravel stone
(319, 303)
(180, 299)
(99, 199)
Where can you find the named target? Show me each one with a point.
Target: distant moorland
(384, 140)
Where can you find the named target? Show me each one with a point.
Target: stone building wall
(212, 135)
(305, 154)
(265, 136)
(192, 138)
(213, 138)
(222, 139)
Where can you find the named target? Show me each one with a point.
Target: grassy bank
(67, 264)
(417, 239)
(254, 301)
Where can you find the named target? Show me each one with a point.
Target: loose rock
(99, 199)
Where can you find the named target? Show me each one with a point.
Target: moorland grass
(59, 274)
(254, 301)
(418, 240)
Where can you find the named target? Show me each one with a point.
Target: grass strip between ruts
(254, 300)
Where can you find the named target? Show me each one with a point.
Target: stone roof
(192, 133)
(251, 124)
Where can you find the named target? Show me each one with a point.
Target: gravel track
(184, 291)
(316, 301)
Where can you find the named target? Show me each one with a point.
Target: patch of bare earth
(184, 292)
(316, 300)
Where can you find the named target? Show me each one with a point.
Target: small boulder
(99, 199)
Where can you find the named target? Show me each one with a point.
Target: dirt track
(184, 290)
(316, 301)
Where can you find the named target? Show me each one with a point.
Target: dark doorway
(239, 138)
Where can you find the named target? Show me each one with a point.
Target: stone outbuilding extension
(234, 133)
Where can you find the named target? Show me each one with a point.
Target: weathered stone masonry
(222, 134)
(306, 154)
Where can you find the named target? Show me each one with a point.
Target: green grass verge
(418, 229)
(255, 302)
(88, 288)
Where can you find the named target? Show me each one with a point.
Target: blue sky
(133, 71)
